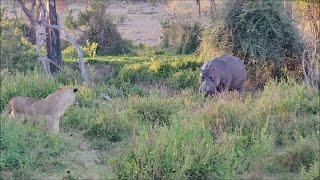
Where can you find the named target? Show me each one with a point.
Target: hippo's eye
(202, 78)
(210, 77)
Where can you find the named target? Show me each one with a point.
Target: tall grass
(25, 148)
(175, 134)
(230, 136)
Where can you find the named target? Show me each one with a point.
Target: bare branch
(78, 47)
(27, 12)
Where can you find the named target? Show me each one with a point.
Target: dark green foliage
(17, 54)
(191, 39)
(259, 30)
(184, 38)
(99, 28)
(262, 31)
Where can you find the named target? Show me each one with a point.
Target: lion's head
(62, 98)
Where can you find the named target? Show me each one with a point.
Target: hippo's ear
(75, 90)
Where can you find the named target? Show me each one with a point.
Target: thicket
(17, 54)
(230, 137)
(177, 134)
(259, 33)
(97, 27)
(184, 38)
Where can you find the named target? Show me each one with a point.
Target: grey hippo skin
(225, 72)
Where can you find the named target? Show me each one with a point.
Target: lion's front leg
(52, 124)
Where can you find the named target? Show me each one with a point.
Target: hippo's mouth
(210, 93)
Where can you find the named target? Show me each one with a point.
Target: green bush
(99, 28)
(259, 30)
(184, 38)
(17, 54)
(191, 40)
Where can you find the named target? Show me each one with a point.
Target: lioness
(50, 108)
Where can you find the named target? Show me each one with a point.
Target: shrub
(184, 38)
(259, 33)
(191, 40)
(17, 54)
(255, 25)
(99, 28)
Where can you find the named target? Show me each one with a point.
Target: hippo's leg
(227, 83)
(240, 89)
(220, 88)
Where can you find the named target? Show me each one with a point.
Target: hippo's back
(230, 65)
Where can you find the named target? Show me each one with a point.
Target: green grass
(158, 126)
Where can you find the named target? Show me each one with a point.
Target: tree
(43, 18)
(53, 37)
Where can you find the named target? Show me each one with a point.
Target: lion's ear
(75, 90)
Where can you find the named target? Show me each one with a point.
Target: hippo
(222, 73)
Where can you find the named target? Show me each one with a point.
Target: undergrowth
(173, 134)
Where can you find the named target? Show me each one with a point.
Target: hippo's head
(208, 80)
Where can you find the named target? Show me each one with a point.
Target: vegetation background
(146, 55)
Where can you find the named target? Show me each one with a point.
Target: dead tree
(53, 36)
(310, 64)
(43, 18)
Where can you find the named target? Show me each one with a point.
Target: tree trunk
(53, 37)
(199, 7)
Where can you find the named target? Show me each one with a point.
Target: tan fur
(50, 108)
